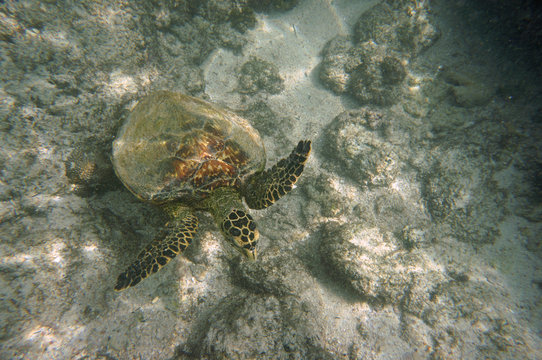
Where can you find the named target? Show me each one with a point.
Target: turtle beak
(251, 254)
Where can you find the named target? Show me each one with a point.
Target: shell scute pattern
(207, 161)
(189, 149)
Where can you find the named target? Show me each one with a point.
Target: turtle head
(240, 230)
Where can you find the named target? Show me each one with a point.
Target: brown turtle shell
(177, 147)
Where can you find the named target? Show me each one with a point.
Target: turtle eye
(171, 145)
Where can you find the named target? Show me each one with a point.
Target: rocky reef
(372, 66)
(413, 232)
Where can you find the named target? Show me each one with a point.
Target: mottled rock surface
(374, 264)
(246, 326)
(356, 139)
(402, 25)
(260, 75)
(372, 67)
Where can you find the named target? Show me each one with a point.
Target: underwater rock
(354, 138)
(374, 67)
(472, 95)
(368, 71)
(529, 195)
(230, 38)
(214, 11)
(9, 27)
(270, 5)
(463, 311)
(277, 275)
(186, 42)
(467, 90)
(374, 21)
(338, 62)
(444, 309)
(194, 29)
(325, 199)
(7, 105)
(457, 195)
(186, 33)
(264, 119)
(393, 70)
(440, 195)
(374, 264)
(248, 326)
(242, 18)
(414, 237)
(423, 94)
(378, 78)
(89, 168)
(402, 27)
(392, 210)
(260, 75)
(45, 44)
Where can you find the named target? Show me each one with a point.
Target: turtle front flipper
(265, 188)
(171, 241)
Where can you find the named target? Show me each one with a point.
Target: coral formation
(338, 62)
(260, 75)
(374, 264)
(269, 5)
(355, 139)
(402, 26)
(249, 326)
(378, 78)
(372, 67)
(381, 271)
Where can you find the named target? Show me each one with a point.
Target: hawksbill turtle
(186, 155)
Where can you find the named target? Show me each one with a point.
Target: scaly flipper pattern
(171, 241)
(239, 228)
(265, 188)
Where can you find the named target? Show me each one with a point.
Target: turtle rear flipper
(265, 188)
(171, 241)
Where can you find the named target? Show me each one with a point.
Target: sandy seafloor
(414, 232)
